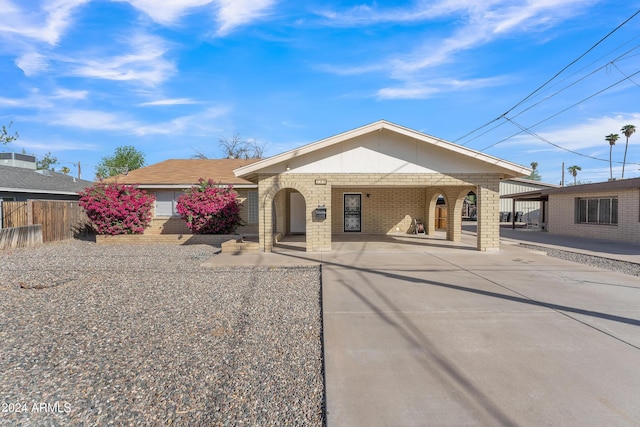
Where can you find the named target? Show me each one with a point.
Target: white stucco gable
(382, 147)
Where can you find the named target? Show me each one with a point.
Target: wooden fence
(60, 219)
(21, 237)
(14, 214)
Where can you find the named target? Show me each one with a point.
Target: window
(166, 202)
(597, 211)
(252, 207)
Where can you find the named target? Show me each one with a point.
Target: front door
(352, 212)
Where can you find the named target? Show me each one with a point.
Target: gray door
(352, 212)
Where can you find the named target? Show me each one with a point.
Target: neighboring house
(604, 210)
(19, 181)
(376, 179)
(167, 180)
(531, 210)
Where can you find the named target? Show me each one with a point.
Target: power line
(543, 139)
(562, 111)
(551, 79)
(571, 63)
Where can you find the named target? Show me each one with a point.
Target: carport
(377, 179)
(530, 196)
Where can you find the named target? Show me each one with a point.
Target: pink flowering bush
(116, 208)
(209, 209)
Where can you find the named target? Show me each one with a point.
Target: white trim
(378, 126)
(187, 186)
(26, 190)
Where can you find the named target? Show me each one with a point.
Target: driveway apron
(440, 334)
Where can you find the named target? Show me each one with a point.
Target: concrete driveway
(426, 332)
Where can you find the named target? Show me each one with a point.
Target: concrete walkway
(420, 331)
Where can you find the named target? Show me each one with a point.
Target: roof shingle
(186, 172)
(24, 180)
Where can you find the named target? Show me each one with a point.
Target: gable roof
(508, 168)
(183, 173)
(25, 180)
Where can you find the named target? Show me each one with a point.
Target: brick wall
(395, 200)
(385, 210)
(562, 216)
(175, 224)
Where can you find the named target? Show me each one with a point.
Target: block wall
(562, 216)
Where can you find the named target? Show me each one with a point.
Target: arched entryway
(288, 219)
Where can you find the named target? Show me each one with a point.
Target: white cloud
(47, 21)
(169, 101)
(419, 91)
(407, 92)
(89, 119)
(229, 14)
(167, 12)
(478, 23)
(235, 13)
(54, 145)
(582, 137)
(195, 124)
(70, 94)
(32, 63)
(145, 63)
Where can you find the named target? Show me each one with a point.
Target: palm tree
(534, 176)
(611, 139)
(627, 130)
(573, 170)
(65, 170)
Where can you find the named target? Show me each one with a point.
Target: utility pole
(79, 170)
(562, 183)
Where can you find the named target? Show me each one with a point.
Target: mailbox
(321, 213)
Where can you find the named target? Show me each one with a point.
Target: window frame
(596, 210)
(253, 208)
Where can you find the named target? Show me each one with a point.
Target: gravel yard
(624, 267)
(129, 335)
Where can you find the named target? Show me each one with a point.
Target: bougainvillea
(116, 208)
(209, 209)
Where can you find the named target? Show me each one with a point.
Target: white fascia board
(187, 186)
(27, 190)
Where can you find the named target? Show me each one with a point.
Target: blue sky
(81, 77)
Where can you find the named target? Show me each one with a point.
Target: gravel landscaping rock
(624, 267)
(130, 335)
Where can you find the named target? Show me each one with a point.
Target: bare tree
(255, 150)
(234, 147)
(199, 154)
(238, 148)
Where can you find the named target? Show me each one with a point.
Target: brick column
(265, 219)
(488, 201)
(319, 231)
(430, 217)
(455, 198)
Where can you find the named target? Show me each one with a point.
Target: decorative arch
(454, 210)
(274, 212)
(432, 199)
